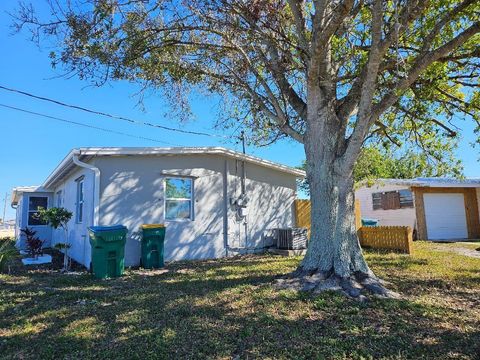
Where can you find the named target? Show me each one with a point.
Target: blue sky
(30, 146)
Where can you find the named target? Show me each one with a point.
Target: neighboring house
(388, 200)
(7, 229)
(7, 224)
(198, 193)
(438, 208)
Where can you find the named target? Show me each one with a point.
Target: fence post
(409, 237)
(358, 215)
(358, 221)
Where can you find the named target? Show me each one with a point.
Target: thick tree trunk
(334, 259)
(334, 246)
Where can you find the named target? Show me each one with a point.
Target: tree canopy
(417, 59)
(374, 163)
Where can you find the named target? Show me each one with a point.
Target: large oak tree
(328, 74)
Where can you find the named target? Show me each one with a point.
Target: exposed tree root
(357, 287)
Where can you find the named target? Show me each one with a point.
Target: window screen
(377, 201)
(406, 198)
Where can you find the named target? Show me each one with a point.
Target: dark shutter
(391, 200)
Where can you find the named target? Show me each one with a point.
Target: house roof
(433, 182)
(446, 182)
(85, 154)
(17, 191)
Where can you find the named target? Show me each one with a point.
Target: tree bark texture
(334, 258)
(334, 246)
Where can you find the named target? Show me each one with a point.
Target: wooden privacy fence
(387, 237)
(303, 215)
(380, 237)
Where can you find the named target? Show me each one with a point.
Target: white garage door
(445, 216)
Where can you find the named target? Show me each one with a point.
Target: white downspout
(96, 187)
(96, 194)
(225, 207)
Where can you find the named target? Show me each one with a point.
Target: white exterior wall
(80, 249)
(271, 197)
(398, 217)
(44, 232)
(132, 194)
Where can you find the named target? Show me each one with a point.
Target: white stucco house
(437, 208)
(197, 192)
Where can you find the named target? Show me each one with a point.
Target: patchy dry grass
(228, 309)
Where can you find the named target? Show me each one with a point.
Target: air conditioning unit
(291, 238)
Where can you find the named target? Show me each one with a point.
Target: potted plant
(58, 217)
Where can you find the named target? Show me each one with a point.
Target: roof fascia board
(447, 185)
(189, 151)
(58, 170)
(19, 190)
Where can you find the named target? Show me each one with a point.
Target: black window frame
(35, 211)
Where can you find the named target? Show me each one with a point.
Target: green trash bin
(108, 250)
(153, 237)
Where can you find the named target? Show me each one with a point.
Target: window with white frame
(34, 203)
(59, 199)
(178, 198)
(80, 200)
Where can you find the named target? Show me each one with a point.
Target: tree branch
(390, 98)
(421, 64)
(369, 85)
(349, 103)
(451, 132)
(273, 64)
(455, 12)
(296, 8)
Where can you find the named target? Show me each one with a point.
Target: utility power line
(85, 125)
(137, 122)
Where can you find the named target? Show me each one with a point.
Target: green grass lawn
(228, 309)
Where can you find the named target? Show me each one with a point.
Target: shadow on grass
(218, 309)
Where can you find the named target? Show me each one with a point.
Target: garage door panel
(445, 216)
